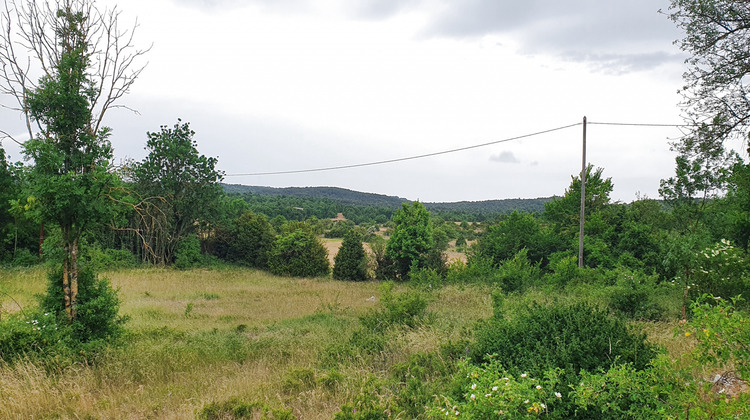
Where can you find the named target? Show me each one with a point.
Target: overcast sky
(282, 85)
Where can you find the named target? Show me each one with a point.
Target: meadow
(203, 339)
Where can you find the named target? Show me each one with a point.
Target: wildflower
(558, 395)
(506, 379)
(523, 375)
(487, 395)
(542, 405)
(494, 388)
(526, 401)
(473, 386)
(473, 397)
(687, 334)
(538, 387)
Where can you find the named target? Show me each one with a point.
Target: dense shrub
(98, 307)
(411, 241)
(574, 337)
(722, 270)
(188, 253)
(636, 296)
(298, 254)
(251, 239)
(351, 262)
(517, 273)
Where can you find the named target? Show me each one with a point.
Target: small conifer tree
(350, 262)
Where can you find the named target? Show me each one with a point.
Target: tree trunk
(70, 274)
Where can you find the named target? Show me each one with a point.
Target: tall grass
(203, 337)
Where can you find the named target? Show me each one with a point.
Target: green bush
(98, 307)
(24, 258)
(574, 337)
(722, 270)
(188, 253)
(236, 408)
(99, 259)
(406, 308)
(517, 274)
(636, 296)
(351, 262)
(299, 254)
(37, 333)
(251, 238)
(490, 391)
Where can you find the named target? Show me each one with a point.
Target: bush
(98, 307)
(251, 240)
(404, 309)
(299, 254)
(237, 408)
(636, 296)
(188, 253)
(489, 391)
(351, 261)
(517, 273)
(38, 333)
(722, 270)
(574, 337)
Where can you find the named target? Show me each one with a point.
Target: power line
(382, 162)
(641, 124)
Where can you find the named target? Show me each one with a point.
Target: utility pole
(583, 198)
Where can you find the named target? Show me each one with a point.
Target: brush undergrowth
(254, 345)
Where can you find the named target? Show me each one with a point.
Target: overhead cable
(382, 162)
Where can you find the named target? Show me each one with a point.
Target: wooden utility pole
(583, 198)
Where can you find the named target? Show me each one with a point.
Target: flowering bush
(489, 391)
(722, 270)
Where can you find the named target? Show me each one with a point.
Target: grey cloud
(621, 36)
(504, 157)
(271, 5)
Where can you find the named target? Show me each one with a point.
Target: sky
(289, 85)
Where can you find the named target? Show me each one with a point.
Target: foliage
(248, 240)
(518, 273)
(184, 186)
(71, 177)
(39, 333)
(623, 392)
(569, 337)
(564, 212)
(98, 307)
(516, 232)
(188, 253)
(701, 174)
(350, 262)
(636, 296)
(490, 391)
(722, 332)
(411, 240)
(298, 254)
(236, 408)
(406, 308)
(721, 270)
(716, 34)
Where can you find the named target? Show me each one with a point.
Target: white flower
(487, 395)
(494, 388)
(473, 386)
(523, 375)
(538, 387)
(542, 405)
(526, 401)
(473, 397)
(558, 395)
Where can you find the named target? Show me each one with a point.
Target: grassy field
(215, 336)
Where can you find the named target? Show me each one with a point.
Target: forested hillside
(310, 201)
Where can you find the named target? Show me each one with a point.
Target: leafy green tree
(716, 83)
(298, 254)
(186, 183)
(351, 262)
(516, 232)
(84, 73)
(411, 240)
(565, 212)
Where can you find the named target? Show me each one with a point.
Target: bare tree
(31, 46)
